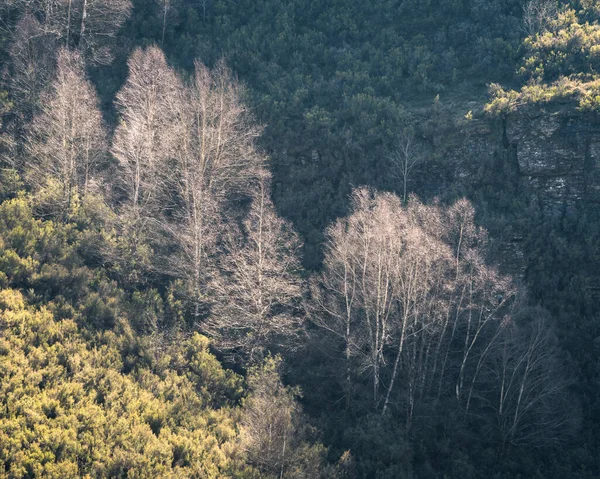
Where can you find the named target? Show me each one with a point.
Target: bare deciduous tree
(530, 402)
(31, 66)
(258, 290)
(420, 272)
(406, 156)
(89, 26)
(143, 146)
(215, 160)
(167, 10)
(144, 140)
(67, 140)
(274, 432)
(166, 6)
(538, 15)
(204, 4)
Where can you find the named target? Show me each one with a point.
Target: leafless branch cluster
(215, 160)
(404, 158)
(257, 290)
(88, 26)
(407, 292)
(67, 139)
(538, 15)
(274, 432)
(32, 66)
(529, 403)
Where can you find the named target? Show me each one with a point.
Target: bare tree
(168, 10)
(258, 290)
(530, 401)
(269, 422)
(166, 6)
(144, 144)
(144, 140)
(67, 140)
(486, 299)
(406, 156)
(204, 4)
(335, 298)
(215, 161)
(538, 15)
(98, 24)
(31, 66)
(89, 26)
(274, 431)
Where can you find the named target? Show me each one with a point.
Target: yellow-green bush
(67, 409)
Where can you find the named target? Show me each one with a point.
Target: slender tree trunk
(83, 23)
(348, 368)
(405, 181)
(164, 23)
(68, 23)
(283, 455)
(396, 363)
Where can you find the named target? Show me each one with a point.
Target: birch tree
(406, 156)
(31, 66)
(67, 139)
(538, 15)
(275, 434)
(144, 140)
(143, 145)
(258, 289)
(530, 401)
(168, 11)
(215, 161)
(89, 26)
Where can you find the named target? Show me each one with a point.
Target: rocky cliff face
(557, 154)
(549, 156)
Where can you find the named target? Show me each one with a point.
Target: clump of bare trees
(373, 293)
(407, 293)
(186, 151)
(143, 146)
(38, 29)
(41, 26)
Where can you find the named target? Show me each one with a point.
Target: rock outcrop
(557, 155)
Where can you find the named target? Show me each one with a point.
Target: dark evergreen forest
(293, 239)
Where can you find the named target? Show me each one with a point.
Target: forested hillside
(291, 239)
